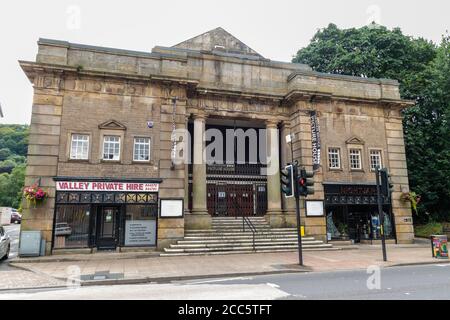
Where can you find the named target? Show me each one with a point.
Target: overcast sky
(276, 29)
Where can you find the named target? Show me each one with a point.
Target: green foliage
(13, 151)
(11, 186)
(425, 231)
(423, 71)
(427, 136)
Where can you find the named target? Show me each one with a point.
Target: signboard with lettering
(315, 140)
(106, 186)
(140, 233)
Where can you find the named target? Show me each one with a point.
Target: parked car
(16, 217)
(62, 229)
(5, 244)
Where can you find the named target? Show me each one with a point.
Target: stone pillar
(199, 217)
(399, 176)
(274, 212)
(286, 157)
(301, 126)
(43, 153)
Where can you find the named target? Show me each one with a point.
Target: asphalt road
(405, 283)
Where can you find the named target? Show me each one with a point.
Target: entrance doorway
(108, 227)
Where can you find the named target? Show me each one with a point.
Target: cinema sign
(107, 186)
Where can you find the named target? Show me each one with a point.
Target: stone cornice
(31, 68)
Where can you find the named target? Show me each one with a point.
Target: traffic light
(305, 183)
(386, 185)
(287, 181)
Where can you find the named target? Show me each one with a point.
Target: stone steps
(227, 237)
(245, 248)
(240, 239)
(174, 254)
(180, 245)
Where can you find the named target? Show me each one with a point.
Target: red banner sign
(106, 186)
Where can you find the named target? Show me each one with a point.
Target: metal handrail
(248, 222)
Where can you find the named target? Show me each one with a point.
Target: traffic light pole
(297, 211)
(381, 214)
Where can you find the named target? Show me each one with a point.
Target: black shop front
(105, 214)
(352, 213)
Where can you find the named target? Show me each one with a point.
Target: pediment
(355, 140)
(217, 39)
(112, 125)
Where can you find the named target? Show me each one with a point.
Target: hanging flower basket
(34, 194)
(411, 197)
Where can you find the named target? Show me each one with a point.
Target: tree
(427, 136)
(422, 69)
(11, 186)
(13, 151)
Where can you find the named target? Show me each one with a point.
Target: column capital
(271, 123)
(286, 124)
(199, 116)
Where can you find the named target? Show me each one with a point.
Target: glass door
(107, 228)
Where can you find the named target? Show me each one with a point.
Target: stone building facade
(103, 115)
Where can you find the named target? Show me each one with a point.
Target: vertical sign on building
(315, 140)
(174, 128)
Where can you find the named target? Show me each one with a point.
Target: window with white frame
(355, 159)
(334, 158)
(375, 159)
(141, 149)
(111, 148)
(79, 147)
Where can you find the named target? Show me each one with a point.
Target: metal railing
(248, 222)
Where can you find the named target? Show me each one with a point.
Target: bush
(425, 231)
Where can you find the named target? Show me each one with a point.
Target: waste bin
(439, 246)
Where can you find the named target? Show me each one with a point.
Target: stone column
(199, 217)
(396, 162)
(274, 212)
(286, 157)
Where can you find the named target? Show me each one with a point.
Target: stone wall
(43, 152)
(399, 176)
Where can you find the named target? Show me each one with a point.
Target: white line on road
(218, 280)
(273, 285)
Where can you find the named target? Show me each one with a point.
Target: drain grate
(102, 275)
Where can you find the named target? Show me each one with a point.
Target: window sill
(110, 161)
(335, 169)
(357, 170)
(149, 162)
(78, 160)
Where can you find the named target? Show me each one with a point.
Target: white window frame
(76, 155)
(380, 153)
(350, 154)
(135, 143)
(119, 142)
(338, 158)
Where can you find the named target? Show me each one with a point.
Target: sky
(275, 29)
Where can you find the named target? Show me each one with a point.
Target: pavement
(431, 282)
(134, 268)
(15, 278)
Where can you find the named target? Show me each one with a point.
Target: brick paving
(134, 267)
(13, 278)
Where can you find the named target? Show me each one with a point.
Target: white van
(5, 216)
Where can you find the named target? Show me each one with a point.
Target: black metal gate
(235, 190)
